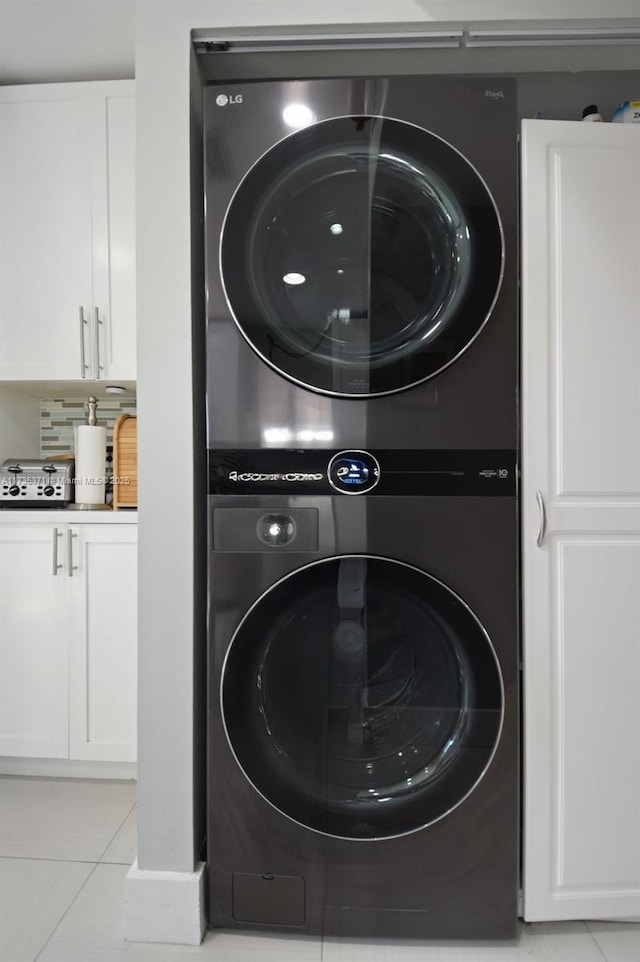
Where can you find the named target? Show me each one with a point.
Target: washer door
(361, 256)
(362, 698)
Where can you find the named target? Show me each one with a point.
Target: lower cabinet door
(34, 630)
(103, 642)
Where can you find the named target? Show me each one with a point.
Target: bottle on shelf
(591, 115)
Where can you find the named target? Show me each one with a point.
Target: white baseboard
(627, 920)
(165, 906)
(65, 768)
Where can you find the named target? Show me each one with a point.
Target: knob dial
(49, 490)
(276, 529)
(14, 490)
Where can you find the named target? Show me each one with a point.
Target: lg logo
(222, 99)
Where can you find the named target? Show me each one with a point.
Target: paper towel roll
(91, 452)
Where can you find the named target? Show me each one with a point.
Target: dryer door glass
(362, 698)
(361, 256)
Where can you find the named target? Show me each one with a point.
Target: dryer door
(362, 698)
(361, 255)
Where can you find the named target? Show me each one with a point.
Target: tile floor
(66, 845)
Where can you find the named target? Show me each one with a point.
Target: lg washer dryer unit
(361, 263)
(363, 692)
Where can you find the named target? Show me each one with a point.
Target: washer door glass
(362, 698)
(361, 255)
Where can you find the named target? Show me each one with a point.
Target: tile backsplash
(58, 417)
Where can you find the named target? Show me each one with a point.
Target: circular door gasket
(361, 256)
(362, 698)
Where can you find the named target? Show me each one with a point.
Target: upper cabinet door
(581, 519)
(114, 255)
(45, 236)
(67, 232)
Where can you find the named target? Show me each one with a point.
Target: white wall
(166, 526)
(19, 425)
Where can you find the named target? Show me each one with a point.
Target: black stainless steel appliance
(362, 265)
(36, 483)
(362, 518)
(363, 693)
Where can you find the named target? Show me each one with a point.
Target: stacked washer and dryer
(362, 368)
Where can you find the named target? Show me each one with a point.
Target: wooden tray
(125, 461)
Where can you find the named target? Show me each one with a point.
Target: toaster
(36, 483)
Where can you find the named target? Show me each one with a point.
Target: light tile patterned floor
(69, 819)
(65, 848)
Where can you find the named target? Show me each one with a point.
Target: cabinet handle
(99, 366)
(56, 566)
(70, 565)
(83, 360)
(543, 519)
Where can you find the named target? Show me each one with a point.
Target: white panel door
(114, 317)
(581, 519)
(45, 234)
(34, 629)
(103, 641)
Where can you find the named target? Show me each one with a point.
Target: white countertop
(67, 516)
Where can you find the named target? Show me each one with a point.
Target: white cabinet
(103, 648)
(68, 629)
(34, 626)
(581, 519)
(67, 232)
